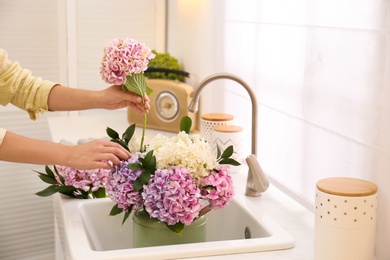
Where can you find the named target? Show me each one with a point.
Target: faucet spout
(257, 182)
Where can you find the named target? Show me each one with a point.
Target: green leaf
(136, 83)
(49, 172)
(138, 184)
(185, 124)
(46, 178)
(77, 193)
(142, 180)
(228, 152)
(126, 216)
(67, 190)
(115, 210)
(52, 189)
(218, 152)
(149, 161)
(135, 166)
(145, 175)
(229, 161)
(39, 172)
(128, 134)
(112, 133)
(177, 228)
(55, 169)
(60, 177)
(152, 164)
(99, 193)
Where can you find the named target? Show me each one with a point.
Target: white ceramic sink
(86, 231)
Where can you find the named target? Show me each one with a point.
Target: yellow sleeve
(2, 135)
(20, 88)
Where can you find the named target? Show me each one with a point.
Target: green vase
(152, 232)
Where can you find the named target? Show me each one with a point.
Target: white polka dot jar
(345, 219)
(224, 136)
(208, 121)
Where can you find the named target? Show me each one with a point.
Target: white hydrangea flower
(190, 151)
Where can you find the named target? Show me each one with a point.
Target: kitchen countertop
(297, 220)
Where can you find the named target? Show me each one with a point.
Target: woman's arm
(69, 99)
(91, 155)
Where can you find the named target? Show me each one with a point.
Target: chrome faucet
(257, 182)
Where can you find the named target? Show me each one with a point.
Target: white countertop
(292, 216)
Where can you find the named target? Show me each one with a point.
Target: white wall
(321, 71)
(191, 38)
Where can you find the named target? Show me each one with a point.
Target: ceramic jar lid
(350, 187)
(228, 128)
(217, 117)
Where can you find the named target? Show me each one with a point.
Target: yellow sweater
(20, 88)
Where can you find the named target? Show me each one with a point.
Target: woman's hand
(92, 155)
(114, 98)
(95, 154)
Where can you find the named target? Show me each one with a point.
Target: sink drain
(247, 233)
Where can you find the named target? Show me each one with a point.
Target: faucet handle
(257, 182)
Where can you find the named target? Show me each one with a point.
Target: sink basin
(86, 231)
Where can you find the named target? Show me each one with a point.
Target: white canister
(224, 136)
(208, 121)
(345, 219)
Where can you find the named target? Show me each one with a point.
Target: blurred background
(320, 69)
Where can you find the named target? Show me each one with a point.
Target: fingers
(138, 108)
(97, 154)
(101, 165)
(114, 98)
(147, 104)
(135, 101)
(115, 149)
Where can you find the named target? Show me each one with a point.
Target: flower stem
(205, 210)
(144, 126)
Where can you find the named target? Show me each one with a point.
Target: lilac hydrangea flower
(120, 182)
(172, 196)
(86, 180)
(123, 57)
(218, 187)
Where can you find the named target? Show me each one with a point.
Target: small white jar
(208, 121)
(345, 219)
(224, 136)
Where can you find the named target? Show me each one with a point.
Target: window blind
(30, 35)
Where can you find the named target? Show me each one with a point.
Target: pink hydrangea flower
(218, 187)
(172, 196)
(123, 57)
(86, 180)
(120, 182)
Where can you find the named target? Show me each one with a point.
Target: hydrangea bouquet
(170, 178)
(174, 179)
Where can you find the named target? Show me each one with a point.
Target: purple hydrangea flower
(119, 185)
(172, 196)
(218, 187)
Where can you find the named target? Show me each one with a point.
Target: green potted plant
(165, 66)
